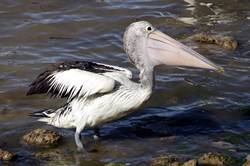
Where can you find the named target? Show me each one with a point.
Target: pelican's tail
(44, 115)
(61, 117)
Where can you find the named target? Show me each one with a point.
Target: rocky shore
(44, 138)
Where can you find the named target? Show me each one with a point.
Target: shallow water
(212, 113)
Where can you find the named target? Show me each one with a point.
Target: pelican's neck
(147, 77)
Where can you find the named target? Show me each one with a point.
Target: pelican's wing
(75, 79)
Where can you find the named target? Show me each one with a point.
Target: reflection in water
(180, 115)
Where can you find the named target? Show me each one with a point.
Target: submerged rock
(216, 159)
(114, 164)
(6, 156)
(52, 157)
(42, 137)
(166, 160)
(207, 159)
(48, 155)
(227, 42)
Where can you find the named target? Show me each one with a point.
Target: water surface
(209, 114)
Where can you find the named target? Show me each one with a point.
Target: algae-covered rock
(166, 160)
(114, 164)
(216, 159)
(227, 42)
(247, 162)
(42, 137)
(6, 156)
(192, 162)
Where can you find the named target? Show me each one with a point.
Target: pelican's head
(148, 47)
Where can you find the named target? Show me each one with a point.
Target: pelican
(98, 93)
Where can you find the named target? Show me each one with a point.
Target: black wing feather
(42, 82)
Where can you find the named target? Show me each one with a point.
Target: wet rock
(6, 156)
(227, 42)
(114, 164)
(42, 137)
(247, 162)
(216, 159)
(192, 162)
(166, 160)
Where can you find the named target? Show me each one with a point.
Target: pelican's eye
(149, 29)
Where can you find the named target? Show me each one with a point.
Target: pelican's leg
(79, 145)
(96, 134)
